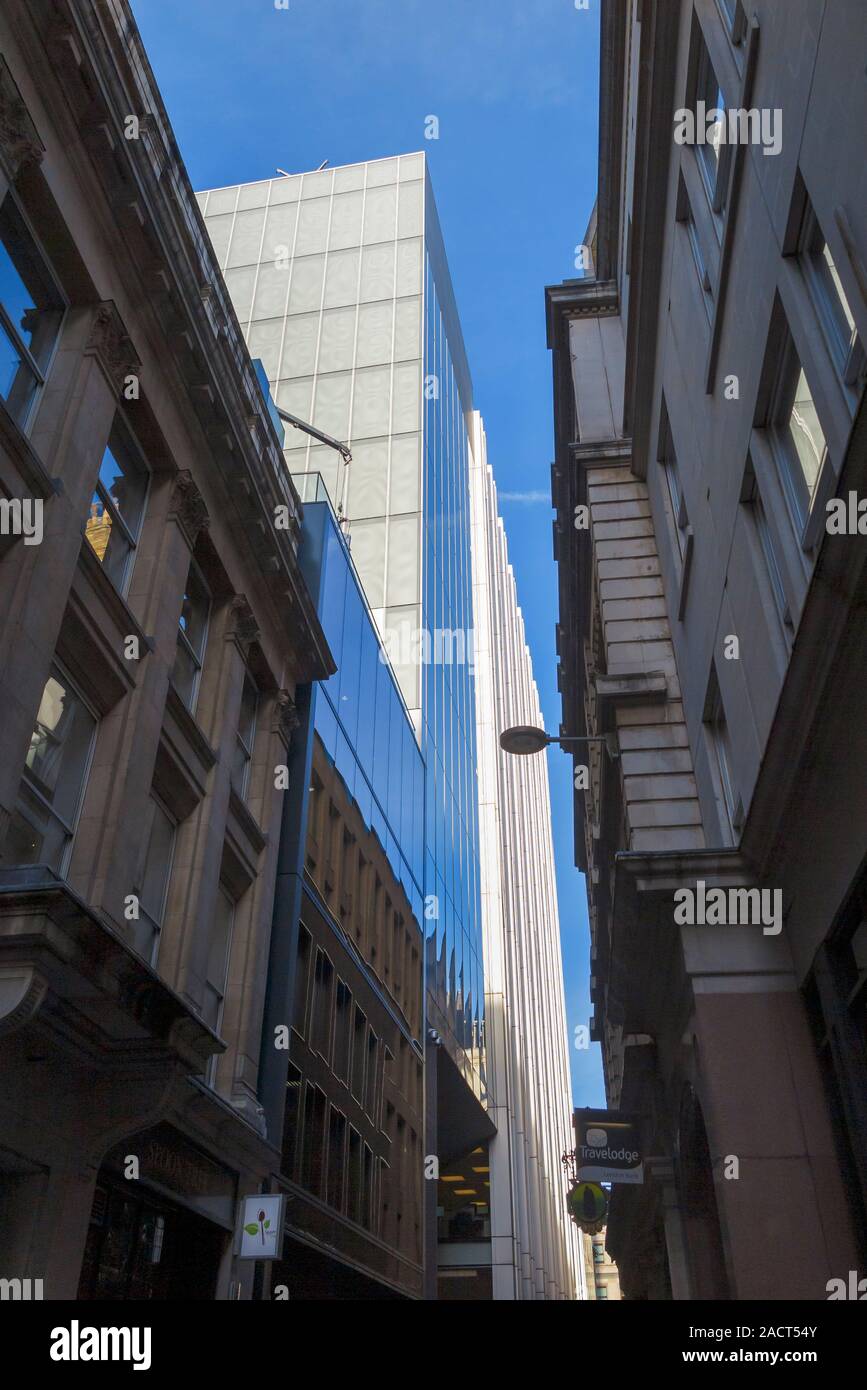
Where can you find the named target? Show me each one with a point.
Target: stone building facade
(709, 404)
(151, 644)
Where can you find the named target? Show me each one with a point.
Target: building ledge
(80, 968)
(631, 688)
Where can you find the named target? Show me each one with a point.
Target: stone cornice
(587, 298)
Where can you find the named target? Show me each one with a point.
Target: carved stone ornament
(111, 342)
(22, 991)
(243, 627)
(188, 505)
(19, 141)
(286, 716)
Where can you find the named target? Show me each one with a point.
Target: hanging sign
(261, 1227)
(607, 1147)
(588, 1205)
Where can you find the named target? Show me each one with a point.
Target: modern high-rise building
(340, 282)
(710, 435)
(345, 1100)
(535, 1246)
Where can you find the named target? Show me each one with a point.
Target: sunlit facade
(535, 1250)
(340, 282)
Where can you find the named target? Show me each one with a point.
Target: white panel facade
(325, 270)
(536, 1250)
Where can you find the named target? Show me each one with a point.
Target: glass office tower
(340, 282)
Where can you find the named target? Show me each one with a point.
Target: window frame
(244, 788)
(132, 538)
(714, 171)
(704, 280)
(222, 890)
(801, 502)
(158, 923)
(751, 497)
(722, 773)
(197, 658)
(848, 356)
(735, 20)
(8, 328)
(70, 829)
(674, 502)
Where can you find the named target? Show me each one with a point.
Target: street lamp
(525, 739)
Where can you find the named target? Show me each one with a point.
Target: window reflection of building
(464, 1259)
(56, 767)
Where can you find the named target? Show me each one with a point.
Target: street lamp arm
(525, 739)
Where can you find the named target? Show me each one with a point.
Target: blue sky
(514, 84)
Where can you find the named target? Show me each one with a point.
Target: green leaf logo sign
(260, 1226)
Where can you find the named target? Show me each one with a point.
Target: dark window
(342, 1031)
(336, 1159)
(367, 1188)
(355, 1176)
(290, 1120)
(359, 1055)
(313, 1141)
(323, 991)
(302, 970)
(370, 1101)
(31, 311)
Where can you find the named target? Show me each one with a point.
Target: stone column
(785, 1224)
(70, 434)
(200, 840)
(108, 844)
(661, 1172)
(238, 1069)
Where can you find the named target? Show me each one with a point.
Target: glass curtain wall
(455, 978)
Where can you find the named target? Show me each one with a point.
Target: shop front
(162, 1221)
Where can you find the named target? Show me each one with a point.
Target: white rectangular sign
(261, 1223)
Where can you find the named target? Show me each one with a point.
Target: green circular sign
(587, 1203)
